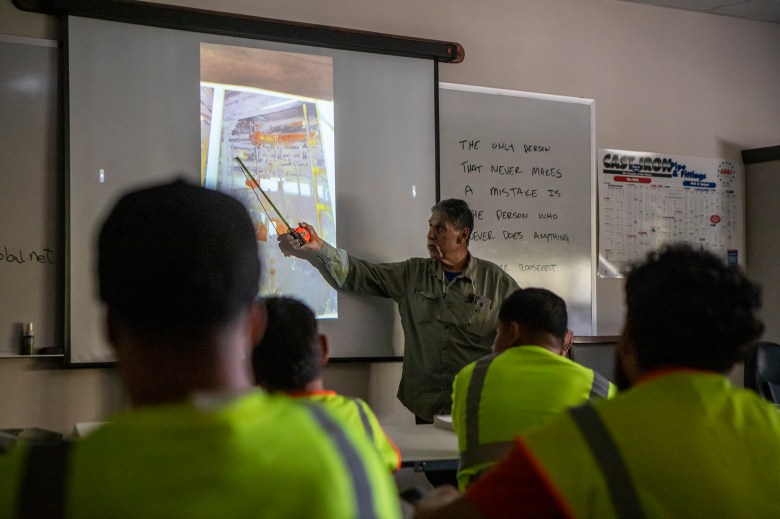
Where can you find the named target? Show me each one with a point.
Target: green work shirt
(250, 456)
(446, 324)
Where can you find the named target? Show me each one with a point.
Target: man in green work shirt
(178, 273)
(448, 302)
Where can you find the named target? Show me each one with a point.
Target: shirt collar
(324, 392)
(669, 370)
(437, 270)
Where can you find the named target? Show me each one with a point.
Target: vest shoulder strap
(609, 461)
(599, 388)
(364, 419)
(473, 397)
(42, 493)
(357, 470)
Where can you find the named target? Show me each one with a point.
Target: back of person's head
(177, 259)
(687, 308)
(537, 310)
(289, 355)
(456, 211)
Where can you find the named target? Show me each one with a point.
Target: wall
(663, 80)
(763, 247)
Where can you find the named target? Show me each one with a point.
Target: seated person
(527, 380)
(290, 359)
(680, 442)
(178, 272)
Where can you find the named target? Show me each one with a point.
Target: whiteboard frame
(31, 211)
(590, 103)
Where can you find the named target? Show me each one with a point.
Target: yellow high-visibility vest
(356, 413)
(256, 455)
(501, 395)
(682, 444)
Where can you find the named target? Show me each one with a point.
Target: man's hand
(290, 245)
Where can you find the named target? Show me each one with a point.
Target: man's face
(444, 240)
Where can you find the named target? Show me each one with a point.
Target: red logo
(715, 218)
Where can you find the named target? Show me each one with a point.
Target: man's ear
(464, 233)
(567, 341)
(258, 319)
(514, 332)
(325, 345)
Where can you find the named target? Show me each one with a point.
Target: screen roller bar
(228, 24)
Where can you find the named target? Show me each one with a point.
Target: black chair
(762, 370)
(596, 352)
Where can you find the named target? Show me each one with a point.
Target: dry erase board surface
(524, 162)
(30, 255)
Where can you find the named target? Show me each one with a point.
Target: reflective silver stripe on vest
(364, 419)
(353, 461)
(600, 387)
(473, 396)
(42, 492)
(484, 454)
(610, 462)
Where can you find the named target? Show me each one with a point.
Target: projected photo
(273, 110)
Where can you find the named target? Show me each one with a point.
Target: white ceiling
(761, 10)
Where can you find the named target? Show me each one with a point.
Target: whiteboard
(31, 252)
(525, 163)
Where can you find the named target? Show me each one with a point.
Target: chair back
(596, 352)
(762, 370)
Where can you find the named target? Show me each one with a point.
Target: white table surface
(421, 444)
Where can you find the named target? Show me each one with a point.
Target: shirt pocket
(477, 319)
(459, 311)
(423, 305)
(483, 321)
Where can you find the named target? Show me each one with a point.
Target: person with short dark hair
(290, 359)
(178, 272)
(680, 441)
(447, 302)
(526, 381)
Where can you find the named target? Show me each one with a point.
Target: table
(424, 447)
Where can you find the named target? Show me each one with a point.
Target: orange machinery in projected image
(300, 233)
(259, 138)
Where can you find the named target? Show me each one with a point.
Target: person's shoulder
(529, 357)
(420, 262)
(337, 401)
(572, 367)
(11, 467)
(465, 373)
(359, 459)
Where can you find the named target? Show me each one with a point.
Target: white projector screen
(141, 107)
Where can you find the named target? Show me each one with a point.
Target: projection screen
(344, 140)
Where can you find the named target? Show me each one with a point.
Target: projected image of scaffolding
(286, 140)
